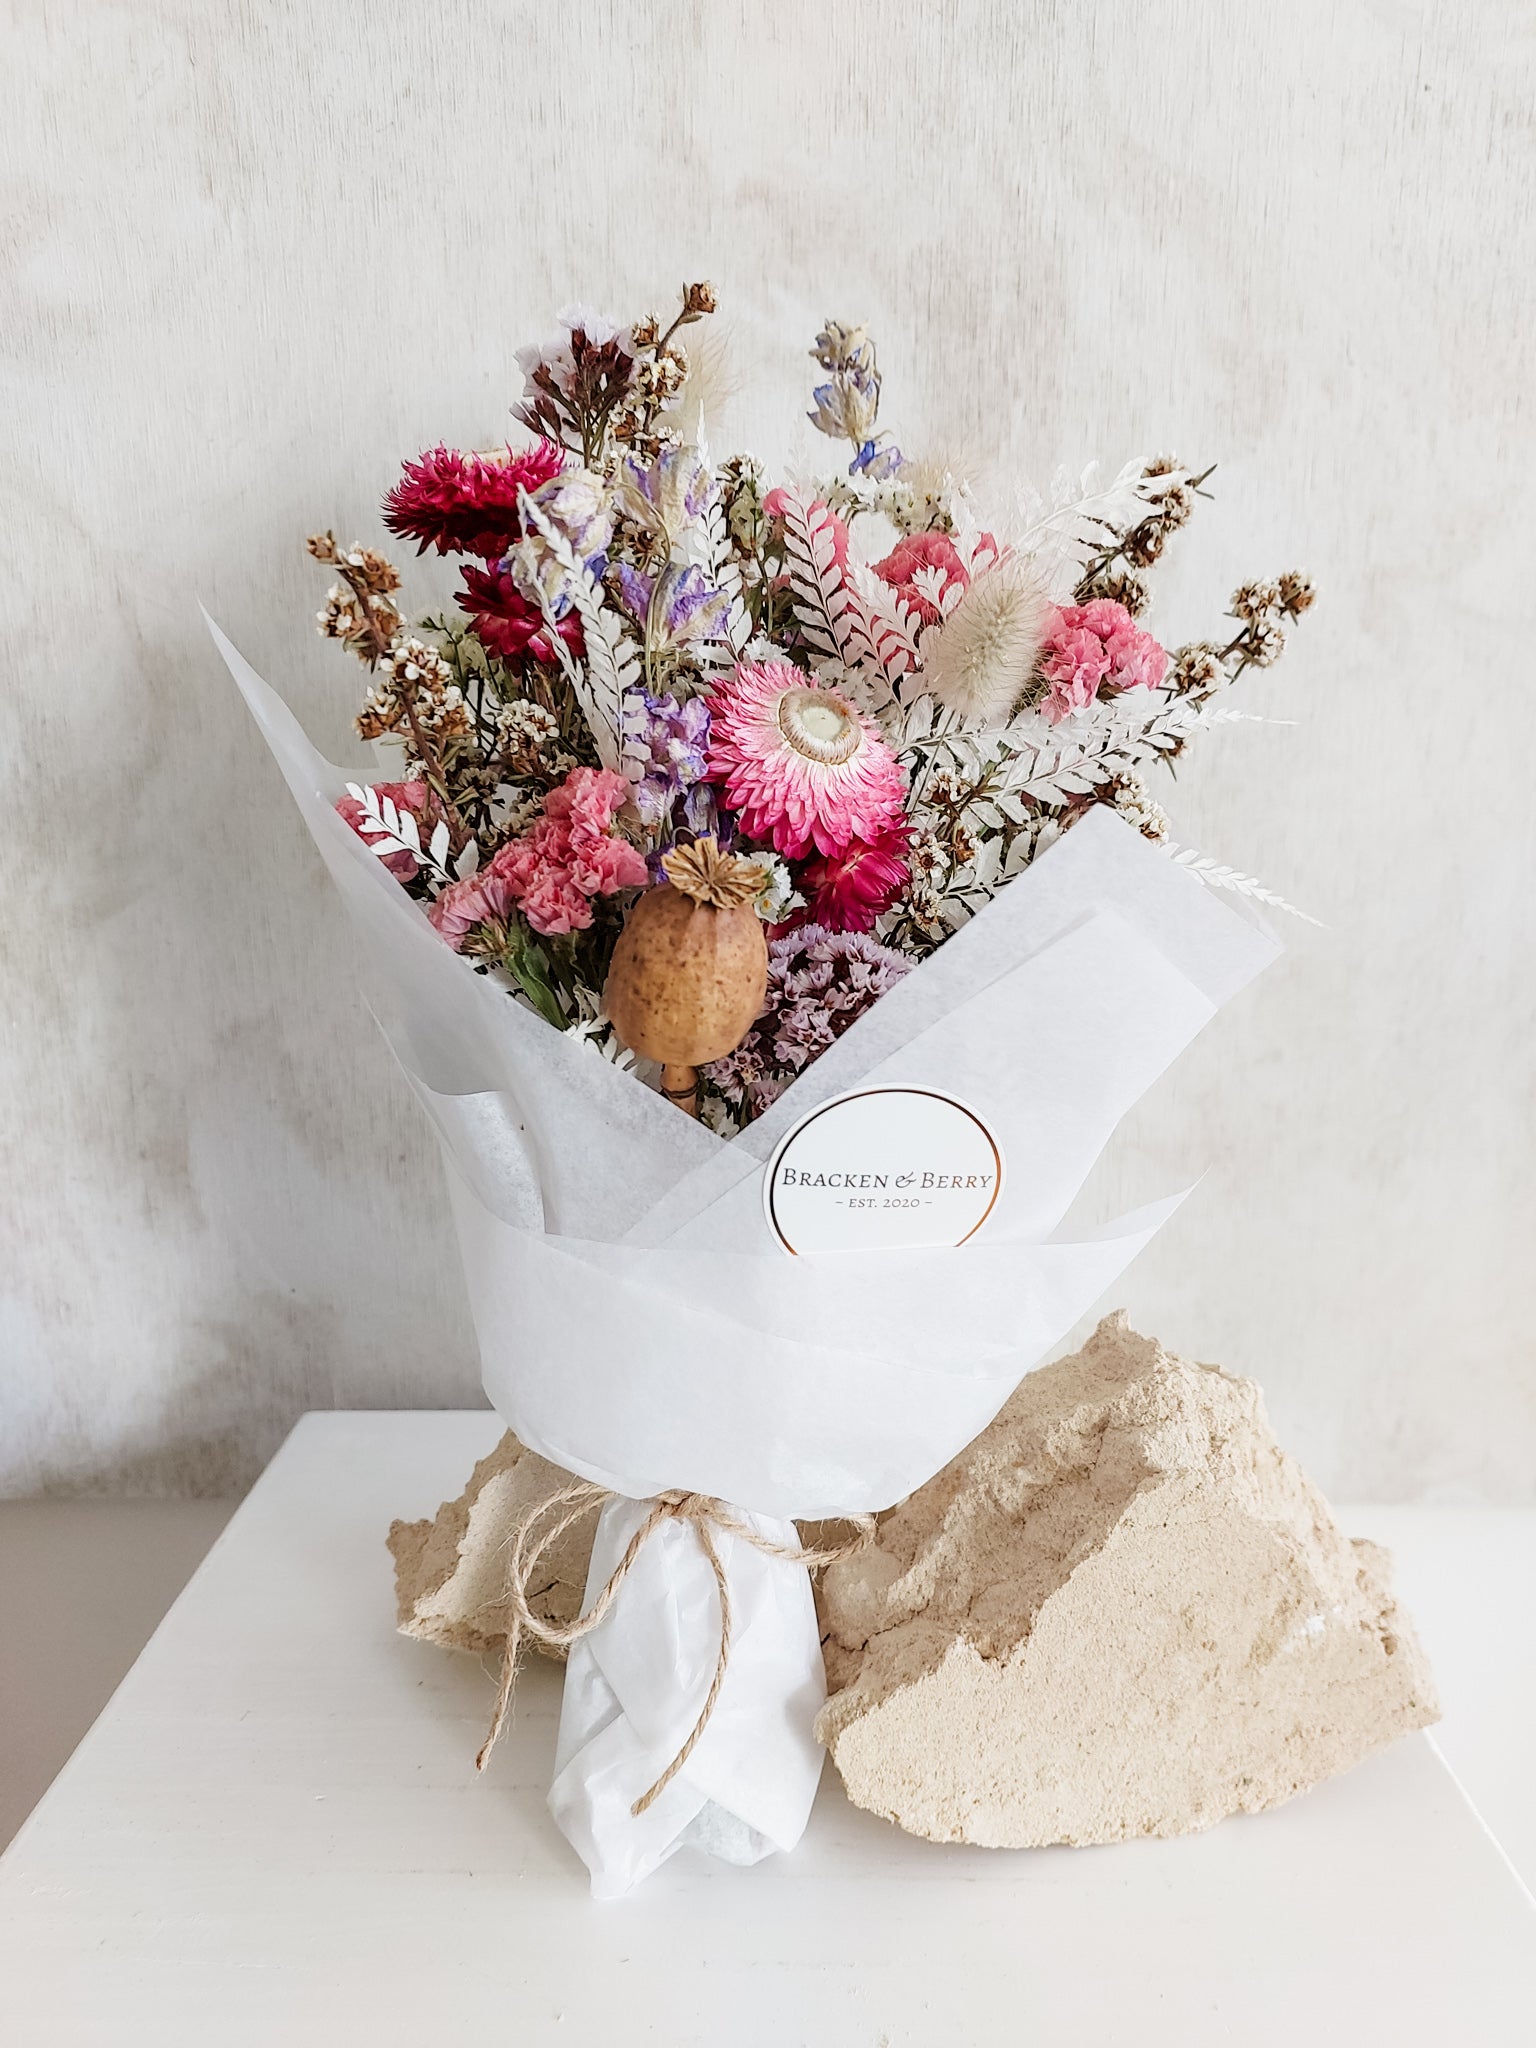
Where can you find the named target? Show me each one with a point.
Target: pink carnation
(553, 870)
(601, 867)
(922, 551)
(776, 504)
(414, 797)
(553, 904)
(591, 798)
(1096, 650)
(465, 904)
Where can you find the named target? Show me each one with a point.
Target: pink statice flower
(1096, 650)
(800, 765)
(414, 797)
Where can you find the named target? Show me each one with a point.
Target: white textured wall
(255, 253)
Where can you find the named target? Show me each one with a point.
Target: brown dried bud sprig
(611, 393)
(359, 610)
(414, 694)
(1171, 493)
(1263, 611)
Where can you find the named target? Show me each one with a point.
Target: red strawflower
(467, 504)
(847, 891)
(504, 620)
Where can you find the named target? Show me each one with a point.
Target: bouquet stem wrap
(639, 1326)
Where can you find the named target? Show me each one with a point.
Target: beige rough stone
(451, 1572)
(1122, 1611)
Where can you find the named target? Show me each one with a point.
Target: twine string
(542, 1525)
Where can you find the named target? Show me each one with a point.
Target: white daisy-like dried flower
(342, 618)
(1265, 643)
(979, 662)
(412, 661)
(1257, 603)
(1137, 805)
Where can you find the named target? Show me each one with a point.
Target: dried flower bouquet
(886, 707)
(774, 804)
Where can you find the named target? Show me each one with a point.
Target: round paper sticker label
(880, 1169)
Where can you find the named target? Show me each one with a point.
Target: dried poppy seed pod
(691, 966)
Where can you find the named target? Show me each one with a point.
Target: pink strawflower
(848, 891)
(922, 551)
(414, 797)
(1096, 650)
(504, 620)
(799, 764)
(467, 504)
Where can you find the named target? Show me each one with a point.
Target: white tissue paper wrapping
(639, 1324)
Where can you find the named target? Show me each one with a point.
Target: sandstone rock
(1122, 1611)
(451, 1572)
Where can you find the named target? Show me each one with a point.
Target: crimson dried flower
(468, 504)
(506, 622)
(847, 891)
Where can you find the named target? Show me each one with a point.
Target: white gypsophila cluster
(522, 724)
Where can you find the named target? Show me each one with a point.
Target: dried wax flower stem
(433, 772)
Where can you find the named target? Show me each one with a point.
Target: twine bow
(706, 1517)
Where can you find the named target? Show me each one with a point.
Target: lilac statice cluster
(666, 757)
(569, 518)
(819, 982)
(679, 606)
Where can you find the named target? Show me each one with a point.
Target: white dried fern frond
(385, 829)
(725, 572)
(891, 627)
(1062, 530)
(1123, 738)
(1216, 874)
(612, 664)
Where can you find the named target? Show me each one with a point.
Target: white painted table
(275, 1835)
